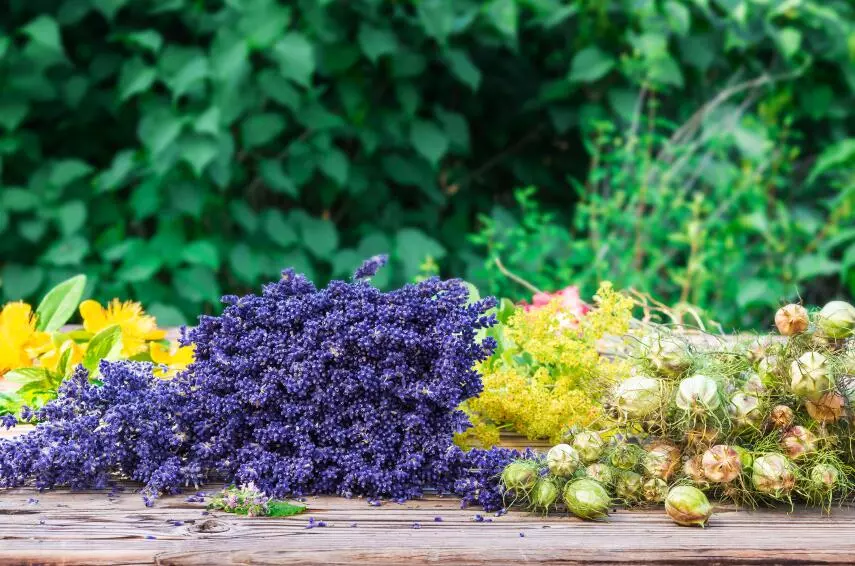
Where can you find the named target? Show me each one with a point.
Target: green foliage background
(174, 150)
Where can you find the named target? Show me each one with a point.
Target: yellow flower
(175, 358)
(20, 342)
(50, 360)
(137, 327)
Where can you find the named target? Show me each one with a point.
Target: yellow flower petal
(94, 318)
(137, 327)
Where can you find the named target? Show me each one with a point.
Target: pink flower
(571, 302)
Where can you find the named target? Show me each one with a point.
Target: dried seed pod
(791, 319)
(721, 464)
(781, 417)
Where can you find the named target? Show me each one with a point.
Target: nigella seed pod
(654, 490)
(773, 474)
(587, 499)
(628, 485)
(544, 494)
(753, 385)
(721, 464)
(562, 460)
(824, 477)
(520, 475)
(791, 319)
(668, 356)
(827, 409)
(694, 470)
(602, 473)
(798, 442)
(589, 445)
(698, 395)
(661, 460)
(745, 411)
(810, 376)
(688, 506)
(639, 396)
(837, 320)
(781, 417)
(624, 456)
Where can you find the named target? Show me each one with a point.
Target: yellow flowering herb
(20, 342)
(52, 358)
(175, 358)
(547, 373)
(137, 327)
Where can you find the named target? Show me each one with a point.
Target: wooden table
(60, 527)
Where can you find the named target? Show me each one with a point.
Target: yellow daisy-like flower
(50, 360)
(20, 342)
(175, 358)
(137, 327)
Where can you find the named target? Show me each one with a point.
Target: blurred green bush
(175, 150)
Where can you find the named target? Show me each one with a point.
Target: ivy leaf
(296, 58)
(198, 151)
(201, 252)
(148, 39)
(13, 112)
(105, 345)
(590, 64)
(197, 284)
(20, 281)
(158, 129)
(437, 17)
(71, 217)
(376, 42)
(463, 68)
(275, 177)
(44, 31)
(412, 247)
(245, 263)
(429, 140)
(259, 129)
(335, 165)
(835, 155)
(69, 251)
(59, 304)
(135, 77)
(504, 16)
(67, 171)
(116, 175)
(815, 265)
(319, 236)
(278, 229)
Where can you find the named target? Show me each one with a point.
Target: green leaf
(376, 42)
(278, 88)
(278, 229)
(71, 217)
(296, 58)
(201, 252)
(148, 39)
(109, 7)
(456, 128)
(814, 265)
(437, 17)
(23, 376)
(319, 236)
(69, 251)
(335, 165)
(245, 263)
(839, 154)
(590, 64)
(105, 345)
(259, 129)
(276, 508)
(429, 140)
(141, 266)
(463, 68)
(20, 281)
(18, 200)
(60, 303)
(117, 174)
(135, 77)
(504, 16)
(275, 177)
(263, 23)
(167, 315)
(158, 129)
(757, 292)
(197, 284)
(790, 40)
(229, 55)
(848, 261)
(12, 112)
(412, 247)
(44, 31)
(198, 151)
(679, 17)
(244, 216)
(67, 171)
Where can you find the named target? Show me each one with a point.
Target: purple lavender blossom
(342, 390)
(370, 267)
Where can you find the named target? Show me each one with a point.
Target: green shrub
(178, 149)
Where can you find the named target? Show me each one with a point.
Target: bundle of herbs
(343, 390)
(749, 423)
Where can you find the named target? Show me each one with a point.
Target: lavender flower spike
(370, 267)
